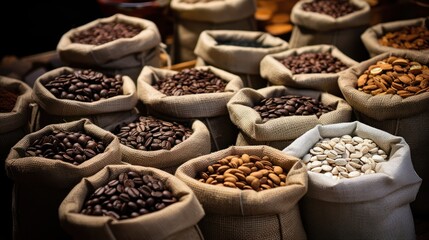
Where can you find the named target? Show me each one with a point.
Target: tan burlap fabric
(40, 184)
(247, 214)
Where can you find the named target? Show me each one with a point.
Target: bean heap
(191, 81)
(395, 75)
(290, 105)
(7, 100)
(85, 86)
(242, 43)
(70, 147)
(149, 133)
(411, 37)
(333, 8)
(130, 195)
(313, 63)
(105, 32)
(244, 172)
(345, 157)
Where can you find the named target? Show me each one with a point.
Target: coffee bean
(333, 8)
(242, 43)
(7, 100)
(310, 62)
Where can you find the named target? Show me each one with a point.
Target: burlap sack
(373, 206)
(193, 18)
(247, 214)
(210, 108)
(312, 28)
(277, 74)
(103, 112)
(405, 117)
(168, 160)
(14, 124)
(280, 132)
(177, 221)
(40, 184)
(371, 36)
(122, 56)
(242, 61)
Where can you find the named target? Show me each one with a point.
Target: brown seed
(278, 170)
(229, 184)
(362, 80)
(255, 184)
(274, 178)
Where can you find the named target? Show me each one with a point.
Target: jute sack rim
(371, 35)
(393, 175)
(18, 116)
(382, 107)
(72, 220)
(56, 106)
(23, 169)
(279, 74)
(149, 158)
(280, 128)
(221, 200)
(237, 58)
(147, 39)
(185, 106)
(214, 11)
(323, 22)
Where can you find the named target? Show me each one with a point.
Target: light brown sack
(104, 112)
(210, 108)
(40, 184)
(15, 124)
(278, 74)
(280, 132)
(242, 61)
(122, 56)
(193, 18)
(312, 28)
(405, 117)
(372, 206)
(371, 36)
(177, 221)
(248, 214)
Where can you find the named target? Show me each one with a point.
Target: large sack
(193, 18)
(311, 28)
(370, 206)
(233, 213)
(176, 221)
(40, 184)
(242, 60)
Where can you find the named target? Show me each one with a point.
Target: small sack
(210, 108)
(238, 52)
(370, 206)
(104, 112)
(176, 221)
(193, 18)
(280, 132)
(311, 28)
(278, 74)
(371, 36)
(14, 124)
(124, 56)
(40, 184)
(405, 117)
(232, 213)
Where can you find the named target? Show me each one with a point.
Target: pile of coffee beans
(345, 157)
(85, 86)
(149, 133)
(7, 100)
(395, 75)
(333, 8)
(105, 32)
(191, 81)
(322, 62)
(130, 195)
(70, 147)
(411, 37)
(246, 172)
(290, 105)
(198, 1)
(242, 43)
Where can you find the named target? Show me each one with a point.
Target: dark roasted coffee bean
(105, 32)
(333, 8)
(311, 62)
(242, 43)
